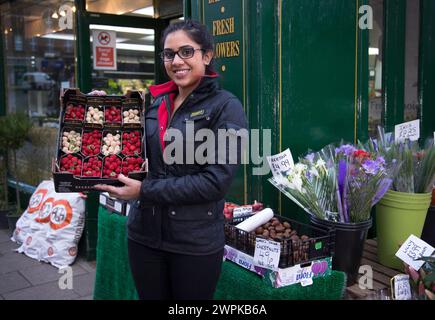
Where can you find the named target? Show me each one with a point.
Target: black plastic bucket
(349, 245)
(428, 233)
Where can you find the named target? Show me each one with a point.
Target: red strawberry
(71, 164)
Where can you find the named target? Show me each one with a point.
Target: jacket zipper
(169, 108)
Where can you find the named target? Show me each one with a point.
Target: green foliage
(416, 170)
(14, 130)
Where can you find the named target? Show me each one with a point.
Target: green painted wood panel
(225, 20)
(302, 78)
(393, 68)
(319, 59)
(427, 67)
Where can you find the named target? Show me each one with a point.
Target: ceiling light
(136, 47)
(54, 15)
(62, 13)
(148, 11)
(74, 9)
(373, 51)
(121, 29)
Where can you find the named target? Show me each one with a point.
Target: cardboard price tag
(267, 254)
(242, 211)
(281, 163)
(413, 249)
(408, 130)
(400, 287)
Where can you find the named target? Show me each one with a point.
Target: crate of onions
(99, 138)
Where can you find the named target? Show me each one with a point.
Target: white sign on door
(104, 44)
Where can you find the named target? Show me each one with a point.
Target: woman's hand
(130, 191)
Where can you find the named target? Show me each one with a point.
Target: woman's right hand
(97, 93)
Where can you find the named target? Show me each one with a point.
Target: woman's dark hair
(197, 32)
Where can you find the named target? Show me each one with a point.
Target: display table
(114, 282)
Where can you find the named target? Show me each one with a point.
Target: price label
(401, 289)
(281, 163)
(267, 254)
(242, 211)
(408, 130)
(413, 249)
(102, 199)
(118, 206)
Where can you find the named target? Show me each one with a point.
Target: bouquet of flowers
(337, 184)
(416, 172)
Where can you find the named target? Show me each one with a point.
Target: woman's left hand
(130, 191)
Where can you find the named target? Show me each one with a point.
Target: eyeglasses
(185, 52)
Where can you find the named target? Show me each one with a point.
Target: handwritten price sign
(413, 249)
(401, 289)
(281, 163)
(266, 254)
(408, 130)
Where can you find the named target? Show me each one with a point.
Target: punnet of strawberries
(92, 167)
(91, 143)
(71, 164)
(112, 114)
(74, 112)
(112, 166)
(131, 164)
(131, 145)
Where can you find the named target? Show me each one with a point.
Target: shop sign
(104, 45)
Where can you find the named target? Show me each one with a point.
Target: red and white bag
(53, 226)
(22, 228)
(65, 228)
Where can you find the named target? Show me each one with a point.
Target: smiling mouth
(181, 71)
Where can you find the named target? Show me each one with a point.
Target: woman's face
(186, 73)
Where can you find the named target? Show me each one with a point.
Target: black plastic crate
(320, 242)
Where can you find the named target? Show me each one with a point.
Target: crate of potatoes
(300, 243)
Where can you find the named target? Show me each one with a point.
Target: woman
(175, 228)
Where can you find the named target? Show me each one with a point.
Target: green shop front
(308, 72)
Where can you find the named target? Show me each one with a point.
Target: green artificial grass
(113, 279)
(237, 283)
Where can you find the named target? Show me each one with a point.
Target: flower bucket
(398, 215)
(349, 245)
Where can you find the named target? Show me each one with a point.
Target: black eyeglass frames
(185, 52)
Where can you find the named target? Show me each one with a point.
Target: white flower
(320, 164)
(296, 183)
(313, 171)
(300, 168)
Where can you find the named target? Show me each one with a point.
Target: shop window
(134, 65)
(376, 109)
(412, 106)
(39, 57)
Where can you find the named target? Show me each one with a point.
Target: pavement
(24, 278)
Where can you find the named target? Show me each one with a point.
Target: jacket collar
(207, 83)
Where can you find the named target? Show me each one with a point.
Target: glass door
(122, 58)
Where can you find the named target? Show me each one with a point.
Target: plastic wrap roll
(256, 220)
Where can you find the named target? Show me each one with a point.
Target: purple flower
(380, 160)
(371, 167)
(310, 157)
(346, 149)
